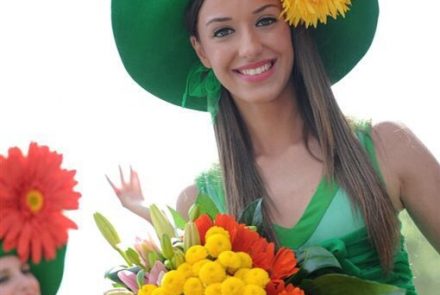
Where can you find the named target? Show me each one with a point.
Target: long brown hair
(344, 159)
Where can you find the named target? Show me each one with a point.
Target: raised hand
(130, 194)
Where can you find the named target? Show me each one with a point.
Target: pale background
(62, 84)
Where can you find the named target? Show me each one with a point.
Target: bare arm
(412, 175)
(185, 200)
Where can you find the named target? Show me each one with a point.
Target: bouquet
(214, 253)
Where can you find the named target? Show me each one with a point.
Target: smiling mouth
(258, 70)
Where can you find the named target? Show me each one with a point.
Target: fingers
(134, 181)
(121, 175)
(117, 190)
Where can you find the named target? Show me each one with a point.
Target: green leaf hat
(155, 49)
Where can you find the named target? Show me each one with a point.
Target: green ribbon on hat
(202, 82)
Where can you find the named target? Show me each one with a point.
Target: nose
(250, 44)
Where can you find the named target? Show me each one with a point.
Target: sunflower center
(34, 201)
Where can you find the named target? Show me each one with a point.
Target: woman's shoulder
(403, 158)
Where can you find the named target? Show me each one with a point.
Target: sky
(62, 84)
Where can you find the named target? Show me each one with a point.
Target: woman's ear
(200, 52)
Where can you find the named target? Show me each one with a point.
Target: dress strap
(363, 132)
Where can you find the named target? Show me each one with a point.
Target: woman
(16, 277)
(280, 134)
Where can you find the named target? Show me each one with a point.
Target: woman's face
(248, 47)
(16, 278)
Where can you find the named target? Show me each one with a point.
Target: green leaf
(133, 256)
(207, 206)
(140, 278)
(112, 274)
(252, 214)
(337, 284)
(179, 221)
(314, 259)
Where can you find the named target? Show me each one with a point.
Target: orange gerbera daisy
(280, 265)
(33, 192)
(278, 287)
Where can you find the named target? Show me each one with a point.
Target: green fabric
(48, 273)
(330, 221)
(203, 83)
(298, 234)
(155, 49)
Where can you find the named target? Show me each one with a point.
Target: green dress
(330, 222)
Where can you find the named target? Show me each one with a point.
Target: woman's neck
(273, 126)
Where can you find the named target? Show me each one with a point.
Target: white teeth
(257, 71)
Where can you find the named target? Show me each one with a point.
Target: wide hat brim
(48, 273)
(155, 49)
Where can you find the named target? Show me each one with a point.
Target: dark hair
(344, 159)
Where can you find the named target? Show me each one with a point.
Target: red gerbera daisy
(34, 191)
(280, 264)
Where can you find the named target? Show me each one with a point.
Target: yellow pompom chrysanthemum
(217, 243)
(193, 286)
(212, 272)
(160, 291)
(246, 260)
(232, 286)
(173, 282)
(257, 276)
(196, 266)
(216, 230)
(214, 289)
(195, 253)
(230, 260)
(310, 12)
(186, 270)
(253, 290)
(147, 289)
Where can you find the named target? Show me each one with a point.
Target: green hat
(154, 45)
(48, 273)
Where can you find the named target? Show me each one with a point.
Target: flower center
(34, 201)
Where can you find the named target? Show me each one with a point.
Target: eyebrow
(223, 19)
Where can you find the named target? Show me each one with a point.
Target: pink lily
(129, 279)
(157, 272)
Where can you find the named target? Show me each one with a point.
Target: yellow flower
(230, 260)
(196, 266)
(146, 289)
(217, 230)
(257, 276)
(193, 286)
(241, 273)
(217, 243)
(214, 289)
(195, 253)
(160, 291)
(232, 286)
(173, 282)
(185, 269)
(246, 260)
(212, 272)
(253, 290)
(310, 12)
